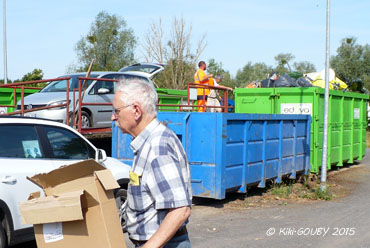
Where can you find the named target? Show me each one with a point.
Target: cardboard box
(78, 210)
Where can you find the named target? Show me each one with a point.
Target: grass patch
(317, 194)
(367, 139)
(282, 190)
(290, 189)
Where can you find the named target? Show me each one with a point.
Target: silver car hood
(42, 98)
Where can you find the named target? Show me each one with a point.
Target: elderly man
(159, 192)
(213, 95)
(213, 102)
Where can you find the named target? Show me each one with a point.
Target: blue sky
(43, 33)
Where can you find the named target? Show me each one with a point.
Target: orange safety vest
(198, 77)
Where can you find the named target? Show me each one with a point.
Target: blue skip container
(228, 152)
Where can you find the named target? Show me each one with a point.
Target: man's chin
(117, 125)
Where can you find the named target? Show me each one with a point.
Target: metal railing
(186, 103)
(21, 85)
(225, 107)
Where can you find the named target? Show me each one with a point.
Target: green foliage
(366, 81)
(8, 81)
(317, 194)
(289, 188)
(295, 74)
(304, 67)
(35, 75)
(215, 68)
(323, 194)
(352, 62)
(251, 72)
(283, 59)
(282, 189)
(109, 42)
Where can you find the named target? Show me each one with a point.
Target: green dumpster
(347, 118)
(171, 97)
(7, 97)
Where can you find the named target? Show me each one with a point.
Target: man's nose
(113, 117)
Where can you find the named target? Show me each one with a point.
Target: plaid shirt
(159, 180)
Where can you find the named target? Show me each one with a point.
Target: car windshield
(61, 86)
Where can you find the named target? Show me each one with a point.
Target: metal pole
(5, 49)
(326, 111)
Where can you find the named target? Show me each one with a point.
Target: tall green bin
(171, 97)
(347, 118)
(7, 97)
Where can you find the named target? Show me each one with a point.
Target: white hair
(139, 91)
(219, 76)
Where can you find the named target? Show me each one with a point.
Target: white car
(97, 116)
(30, 146)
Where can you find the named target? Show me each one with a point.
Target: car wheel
(121, 201)
(85, 120)
(3, 240)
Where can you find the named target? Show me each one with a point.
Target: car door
(66, 146)
(103, 92)
(22, 155)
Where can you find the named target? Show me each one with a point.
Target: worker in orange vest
(200, 77)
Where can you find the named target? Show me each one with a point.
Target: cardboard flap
(107, 180)
(66, 173)
(34, 195)
(65, 207)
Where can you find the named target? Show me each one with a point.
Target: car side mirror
(101, 155)
(103, 91)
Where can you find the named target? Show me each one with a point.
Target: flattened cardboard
(66, 207)
(99, 225)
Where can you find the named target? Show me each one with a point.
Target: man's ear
(138, 111)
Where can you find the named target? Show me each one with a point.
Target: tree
(110, 43)
(304, 67)
(252, 72)
(215, 68)
(36, 74)
(175, 52)
(8, 81)
(352, 62)
(283, 59)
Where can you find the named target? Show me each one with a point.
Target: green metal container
(171, 97)
(7, 97)
(347, 118)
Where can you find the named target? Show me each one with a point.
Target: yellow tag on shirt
(134, 179)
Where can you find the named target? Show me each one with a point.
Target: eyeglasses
(116, 111)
